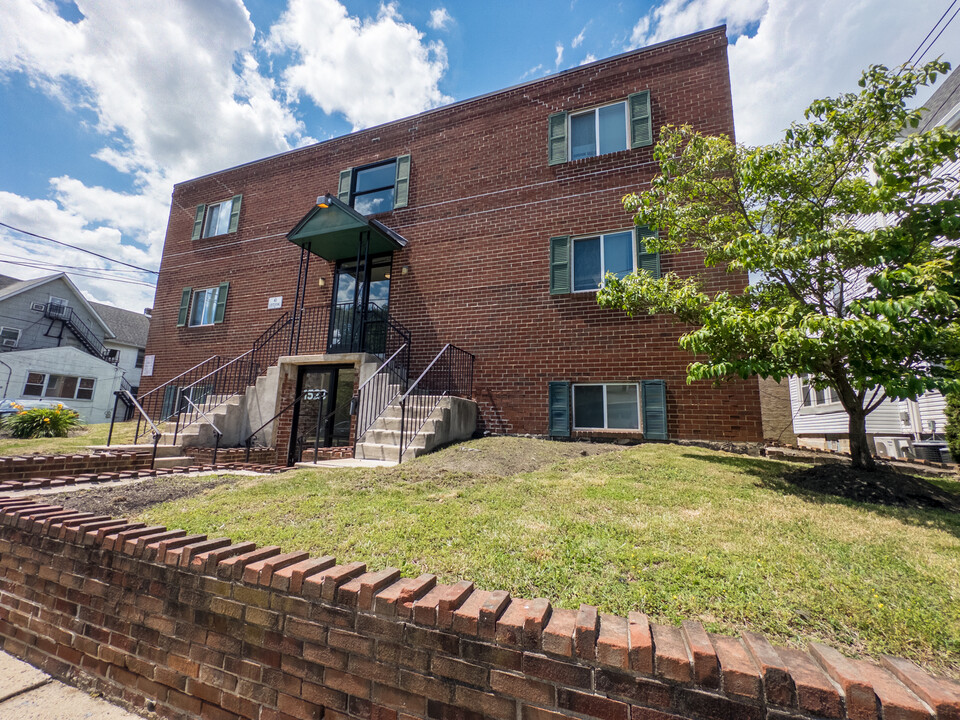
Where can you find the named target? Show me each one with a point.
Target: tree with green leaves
(952, 412)
(848, 228)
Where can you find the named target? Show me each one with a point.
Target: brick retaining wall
(26, 467)
(258, 455)
(200, 627)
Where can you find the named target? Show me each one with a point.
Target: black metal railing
(450, 374)
(381, 389)
(271, 344)
(161, 403)
(213, 389)
(87, 337)
(127, 388)
(216, 430)
(249, 439)
(155, 431)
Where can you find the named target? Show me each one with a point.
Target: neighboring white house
(64, 374)
(819, 421)
(56, 346)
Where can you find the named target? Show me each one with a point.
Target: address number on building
(313, 395)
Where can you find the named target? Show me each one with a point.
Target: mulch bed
(883, 487)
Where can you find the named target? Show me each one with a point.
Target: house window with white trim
(66, 387)
(598, 131)
(204, 309)
(812, 397)
(594, 257)
(606, 406)
(217, 221)
(9, 337)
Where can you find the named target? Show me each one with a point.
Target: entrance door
(359, 314)
(322, 418)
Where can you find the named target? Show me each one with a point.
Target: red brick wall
(203, 628)
(483, 205)
(27, 467)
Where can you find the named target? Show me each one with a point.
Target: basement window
(66, 387)
(606, 406)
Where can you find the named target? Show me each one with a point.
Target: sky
(106, 104)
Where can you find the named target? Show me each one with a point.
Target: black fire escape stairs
(88, 339)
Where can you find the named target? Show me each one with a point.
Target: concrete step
(392, 438)
(376, 451)
(174, 461)
(393, 411)
(393, 423)
(163, 449)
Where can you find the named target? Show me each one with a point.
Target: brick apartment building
(490, 223)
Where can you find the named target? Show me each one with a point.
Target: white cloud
(559, 54)
(372, 70)
(578, 40)
(588, 59)
(440, 19)
(798, 51)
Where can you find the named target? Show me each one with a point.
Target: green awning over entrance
(334, 231)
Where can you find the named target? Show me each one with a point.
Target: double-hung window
(378, 187)
(205, 306)
(606, 406)
(600, 130)
(811, 397)
(66, 387)
(594, 257)
(217, 219)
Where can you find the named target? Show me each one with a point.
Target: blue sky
(105, 104)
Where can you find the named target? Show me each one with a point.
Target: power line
(931, 33)
(946, 25)
(126, 281)
(74, 247)
(53, 265)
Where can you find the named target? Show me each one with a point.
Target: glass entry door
(322, 419)
(361, 297)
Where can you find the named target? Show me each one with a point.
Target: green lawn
(77, 441)
(675, 532)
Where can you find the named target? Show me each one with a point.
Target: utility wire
(946, 25)
(89, 252)
(53, 265)
(922, 42)
(127, 281)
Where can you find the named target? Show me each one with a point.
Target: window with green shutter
(641, 120)
(557, 138)
(217, 218)
(378, 187)
(559, 409)
(206, 307)
(600, 130)
(560, 265)
(184, 306)
(654, 394)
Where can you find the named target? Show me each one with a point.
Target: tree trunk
(860, 455)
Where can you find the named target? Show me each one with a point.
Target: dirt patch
(132, 499)
(506, 456)
(883, 487)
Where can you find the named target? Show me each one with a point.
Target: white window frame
(53, 299)
(46, 386)
(603, 263)
(606, 419)
(206, 218)
(830, 396)
(193, 305)
(8, 329)
(596, 128)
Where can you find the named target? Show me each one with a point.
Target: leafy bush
(41, 422)
(953, 424)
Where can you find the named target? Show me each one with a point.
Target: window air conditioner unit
(39, 307)
(9, 342)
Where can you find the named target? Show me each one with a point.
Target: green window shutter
(648, 262)
(654, 409)
(559, 409)
(402, 187)
(346, 180)
(557, 138)
(184, 306)
(235, 213)
(641, 123)
(198, 221)
(560, 265)
(221, 302)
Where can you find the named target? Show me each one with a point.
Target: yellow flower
(46, 419)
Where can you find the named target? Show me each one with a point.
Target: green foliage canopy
(848, 228)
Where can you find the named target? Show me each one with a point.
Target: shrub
(953, 424)
(42, 422)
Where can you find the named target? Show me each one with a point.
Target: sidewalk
(30, 694)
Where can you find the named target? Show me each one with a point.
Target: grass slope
(76, 442)
(675, 532)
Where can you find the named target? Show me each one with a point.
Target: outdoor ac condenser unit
(893, 447)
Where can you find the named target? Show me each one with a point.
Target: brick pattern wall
(483, 205)
(259, 455)
(28, 467)
(203, 628)
(330, 453)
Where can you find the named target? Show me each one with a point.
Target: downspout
(6, 385)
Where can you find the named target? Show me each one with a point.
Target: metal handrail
(254, 433)
(132, 400)
(366, 417)
(216, 446)
(447, 388)
(174, 379)
(385, 363)
(219, 369)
